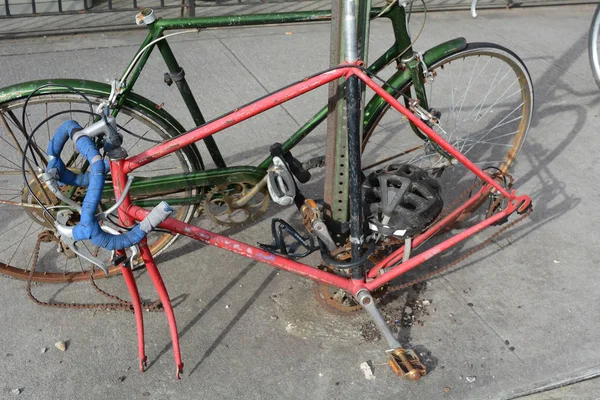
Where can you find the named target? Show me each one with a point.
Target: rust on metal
(118, 304)
(406, 363)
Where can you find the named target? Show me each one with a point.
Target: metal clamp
(101, 127)
(169, 78)
(145, 17)
(112, 141)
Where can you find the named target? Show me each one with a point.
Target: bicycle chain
(465, 194)
(396, 288)
(48, 237)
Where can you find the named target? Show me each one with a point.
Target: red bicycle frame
(129, 213)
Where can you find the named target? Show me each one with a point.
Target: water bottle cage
(290, 250)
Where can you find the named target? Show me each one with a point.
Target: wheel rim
(485, 98)
(594, 44)
(21, 225)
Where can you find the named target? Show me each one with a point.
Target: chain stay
(388, 290)
(392, 289)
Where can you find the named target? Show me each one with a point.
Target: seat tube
(178, 77)
(353, 102)
(349, 34)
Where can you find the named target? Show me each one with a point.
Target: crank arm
(241, 202)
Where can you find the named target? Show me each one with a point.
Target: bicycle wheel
(22, 218)
(484, 95)
(594, 46)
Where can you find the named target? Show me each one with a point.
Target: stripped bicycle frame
(129, 213)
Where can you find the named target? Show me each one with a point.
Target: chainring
(335, 300)
(219, 203)
(37, 214)
(339, 301)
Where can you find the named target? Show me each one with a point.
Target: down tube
(431, 133)
(246, 250)
(233, 118)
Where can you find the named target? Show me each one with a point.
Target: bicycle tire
(594, 46)
(130, 119)
(455, 177)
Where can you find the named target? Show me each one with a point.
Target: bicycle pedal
(295, 166)
(283, 248)
(406, 364)
(280, 183)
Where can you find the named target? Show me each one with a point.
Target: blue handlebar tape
(88, 227)
(55, 147)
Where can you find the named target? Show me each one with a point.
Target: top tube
(250, 19)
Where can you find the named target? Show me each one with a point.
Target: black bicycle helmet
(401, 200)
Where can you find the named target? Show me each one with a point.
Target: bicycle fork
(146, 255)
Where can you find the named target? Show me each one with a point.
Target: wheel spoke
(22, 218)
(484, 98)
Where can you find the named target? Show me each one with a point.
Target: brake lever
(66, 235)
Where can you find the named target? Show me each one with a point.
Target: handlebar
(89, 228)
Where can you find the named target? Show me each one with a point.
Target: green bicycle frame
(410, 70)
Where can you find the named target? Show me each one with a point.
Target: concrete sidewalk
(511, 320)
(100, 19)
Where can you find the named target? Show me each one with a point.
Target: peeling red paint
(236, 116)
(129, 212)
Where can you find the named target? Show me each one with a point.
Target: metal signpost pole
(349, 42)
